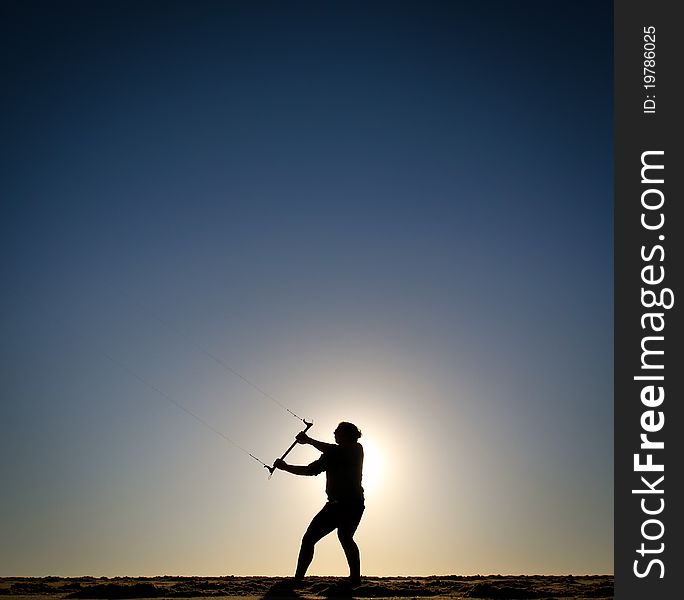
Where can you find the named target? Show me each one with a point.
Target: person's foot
(354, 580)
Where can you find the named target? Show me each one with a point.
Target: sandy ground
(447, 586)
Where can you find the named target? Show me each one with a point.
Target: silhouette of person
(343, 466)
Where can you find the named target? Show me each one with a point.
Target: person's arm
(302, 438)
(297, 469)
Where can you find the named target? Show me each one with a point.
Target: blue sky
(398, 214)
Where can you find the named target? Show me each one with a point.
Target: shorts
(344, 516)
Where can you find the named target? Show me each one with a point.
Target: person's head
(347, 432)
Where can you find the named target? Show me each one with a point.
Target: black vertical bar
(647, 121)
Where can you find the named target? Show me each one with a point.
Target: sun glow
(380, 430)
(373, 466)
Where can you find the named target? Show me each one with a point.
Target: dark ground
(499, 587)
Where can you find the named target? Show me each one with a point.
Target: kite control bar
(272, 469)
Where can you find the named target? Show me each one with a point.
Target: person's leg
(321, 525)
(351, 551)
(349, 522)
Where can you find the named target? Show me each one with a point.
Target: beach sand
(500, 587)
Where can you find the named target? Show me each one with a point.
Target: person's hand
(302, 438)
(279, 463)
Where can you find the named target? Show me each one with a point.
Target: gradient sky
(398, 214)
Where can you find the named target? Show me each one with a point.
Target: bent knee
(346, 537)
(310, 539)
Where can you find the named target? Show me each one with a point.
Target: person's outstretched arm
(296, 469)
(302, 438)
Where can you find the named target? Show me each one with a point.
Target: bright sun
(373, 469)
